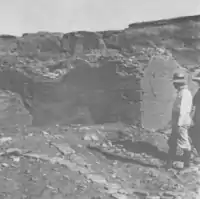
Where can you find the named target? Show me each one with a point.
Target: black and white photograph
(99, 99)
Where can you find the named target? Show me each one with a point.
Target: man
(181, 121)
(195, 130)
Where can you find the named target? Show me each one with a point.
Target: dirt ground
(90, 162)
(86, 162)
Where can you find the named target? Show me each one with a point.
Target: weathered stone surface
(83, 77)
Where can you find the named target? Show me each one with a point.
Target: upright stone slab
(158, 92)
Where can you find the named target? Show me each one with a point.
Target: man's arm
(193, 111)
(194, 103)
(185, 108)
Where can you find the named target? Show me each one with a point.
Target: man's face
(178, 85)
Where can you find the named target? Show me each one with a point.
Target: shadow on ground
(114, 157)
(138, 147)
(143, 147)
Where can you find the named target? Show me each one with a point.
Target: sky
(22, 16)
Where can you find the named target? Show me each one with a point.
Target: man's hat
(179, 78)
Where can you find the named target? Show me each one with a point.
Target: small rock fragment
(104, 145)
(153, 173)
(96, 178)
(94, 137)
(189, 170)
(113, 188)
(16, 159)
(78, 160)
(179, 197)
(141, 193)
(115, 162)
(96, 197)
(114, 175)
(87, 138)
(90, 137)
(178, 165)
(84, 171)
(72, 166)
(152, 197)
(4, 165)
(5, 139)
(173, 194)
(64, 148)
(123, 191)
(129, 191)
(58, 136)
(119, 196)
(13, 151)
(37, 156)
(84, 128)
(110, 143)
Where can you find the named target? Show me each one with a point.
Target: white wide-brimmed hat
(179, 77)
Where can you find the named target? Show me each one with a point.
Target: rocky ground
(109, 85)
(86, 161)
(93, 162)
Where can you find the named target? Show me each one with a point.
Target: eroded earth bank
(87, 114)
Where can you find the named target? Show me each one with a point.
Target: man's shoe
(170, 158)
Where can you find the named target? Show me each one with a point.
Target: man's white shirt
(181, 111)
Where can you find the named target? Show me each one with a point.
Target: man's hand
(193, 112)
